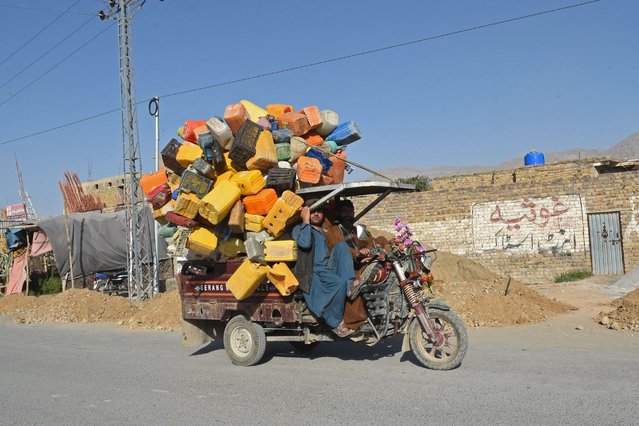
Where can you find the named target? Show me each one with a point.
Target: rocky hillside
(626, 149)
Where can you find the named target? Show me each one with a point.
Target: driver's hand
(305, 214)
(365, 252)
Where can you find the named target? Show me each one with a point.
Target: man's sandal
(354, 289)
(342, 331)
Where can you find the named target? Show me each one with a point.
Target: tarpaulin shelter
(98, 241)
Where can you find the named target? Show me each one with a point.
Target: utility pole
(140, 256)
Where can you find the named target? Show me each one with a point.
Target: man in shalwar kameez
(333, 276)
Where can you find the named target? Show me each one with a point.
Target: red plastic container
(235, 115)
(159, 196)
(260, 203)
(295, 122)
(313, 116)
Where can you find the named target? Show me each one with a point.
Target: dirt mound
(472, 290)
(163, 312)
(625, 315)
(81, 305)
(479, 295)
(74, 305)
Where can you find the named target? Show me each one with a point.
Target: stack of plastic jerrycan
(280, 251)
(253, 222)
(217, 204)
(321, 157)
(224, 176)
(187, 154)
(212, 150)
(159, 196)
(160, 214)
(221, 132)
(235, 116)
(309, 169)
(246, 279)
(285, 208)
(298, 148)
(188, 130)
(265, 156)
(278, 109)
(282, 136)
(260, 203)
(169, 156)
(236, 217)
(281, 276)
(283, 151)
(345, 133)
(202, 241)
(151, 180)
(336, 172)
(254, 250)
(243, 148)
(281, 179)
(231, 247)
(330, 120)
(187, 205)
(264, 123)
(255, 112)
(313, 116)
(314, 139)
(250, 182)
(295, 122)
(179, 220)
(202, 168)
(194, 183)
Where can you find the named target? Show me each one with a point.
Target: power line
(56, 64)
(45, 10)
(353, 55)
(38, 33)
(47, 52)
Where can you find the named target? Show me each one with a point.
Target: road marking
(159, 390)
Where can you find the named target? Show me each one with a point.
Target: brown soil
(475, 293)
(83, 306)
(479, 295)
(625, 315)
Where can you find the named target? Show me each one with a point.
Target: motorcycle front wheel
(448, 348)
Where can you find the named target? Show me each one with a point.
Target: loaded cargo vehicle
(237, 185)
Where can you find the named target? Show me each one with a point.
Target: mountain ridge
(627, 149)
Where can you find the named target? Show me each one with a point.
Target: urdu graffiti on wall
(530, 225)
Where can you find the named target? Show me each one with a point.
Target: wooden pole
(27, 262)
(70, 250)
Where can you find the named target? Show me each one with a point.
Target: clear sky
(551, 82)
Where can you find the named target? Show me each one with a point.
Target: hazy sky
(550, 82)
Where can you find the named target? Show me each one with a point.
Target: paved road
(100, 374)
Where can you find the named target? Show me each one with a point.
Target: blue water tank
(533, 158)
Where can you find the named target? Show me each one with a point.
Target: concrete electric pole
(142, 261)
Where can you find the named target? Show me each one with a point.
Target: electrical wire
(47, 52)
(45, 10)
(56, 64)
(353, 55)
(38, 33)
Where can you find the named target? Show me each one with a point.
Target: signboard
(16, 212)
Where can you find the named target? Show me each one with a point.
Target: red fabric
(40, 244)
(18, 275)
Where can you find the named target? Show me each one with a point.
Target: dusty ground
(481, 298)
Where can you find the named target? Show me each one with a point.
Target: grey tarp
(99, 241)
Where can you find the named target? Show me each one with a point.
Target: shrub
(422, 183)
(572, 276)
(45, 285)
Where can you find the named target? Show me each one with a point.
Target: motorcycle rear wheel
(443, 355)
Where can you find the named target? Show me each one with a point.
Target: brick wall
(530, 223)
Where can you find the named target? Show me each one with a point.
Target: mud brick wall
(530, 223)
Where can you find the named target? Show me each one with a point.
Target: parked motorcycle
(113, 283)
